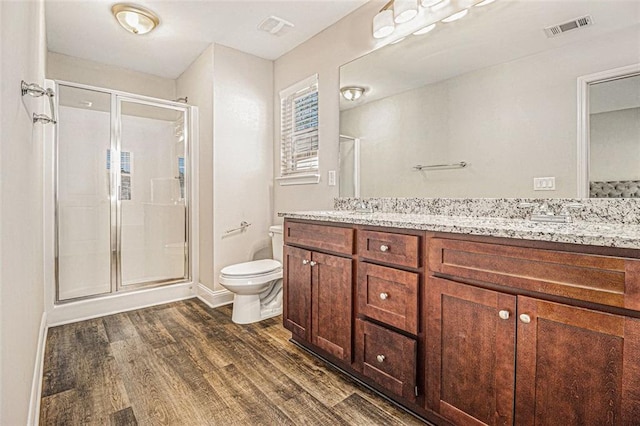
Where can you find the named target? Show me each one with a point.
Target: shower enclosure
(121, 191)
(349, 166)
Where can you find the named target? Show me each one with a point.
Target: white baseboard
(36, 383)
(119, 302)
(214, 298)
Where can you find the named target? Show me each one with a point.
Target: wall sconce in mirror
(352, 93)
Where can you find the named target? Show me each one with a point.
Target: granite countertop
(586, 233)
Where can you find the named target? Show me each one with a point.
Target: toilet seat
(255, 272)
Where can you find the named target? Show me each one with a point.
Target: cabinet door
(470, 353)
(576, 366)
(297, 292)
(331, 330)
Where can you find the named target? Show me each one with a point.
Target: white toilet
(257, 285)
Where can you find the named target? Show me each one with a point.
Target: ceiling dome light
(425, 30)
(430, 3)
(484, 3)
(135, 19)
(404, 10)
(352, 93)
(383, 23)
(456, 16)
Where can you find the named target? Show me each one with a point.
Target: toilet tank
(275, 232)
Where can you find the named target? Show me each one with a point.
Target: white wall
(242, 153)
(615, 145)
(233, 91)
(77, 70)
(196, 82)
(342, 42)
(23, 52)
(511, 122)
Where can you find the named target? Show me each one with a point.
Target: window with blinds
(299, 133)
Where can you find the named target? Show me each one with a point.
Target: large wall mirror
(488, 106)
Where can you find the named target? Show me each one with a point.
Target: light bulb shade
(383, 24)
(404, 10)
(425, 30)
(134, 19)
(484, 3)
(352, 93)
(430, 3)
(456, 16)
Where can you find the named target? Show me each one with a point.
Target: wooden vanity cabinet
(388, 321)
(318, 288)
(469, 330)
(503, 357)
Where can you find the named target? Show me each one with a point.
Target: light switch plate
(544, 184)
(332, 178)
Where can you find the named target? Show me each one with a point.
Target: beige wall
(196, 82)
(508, 133)
(76, 70)
(615, 145)
(23, 50)
(323, 54)
(233, 92)
(242, 153)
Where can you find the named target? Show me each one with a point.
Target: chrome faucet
(363, 208)
(542, 212)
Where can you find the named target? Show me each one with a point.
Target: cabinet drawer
(389, 295)
(331, 238)
(396, 249)
(388, 358)
(593, 278)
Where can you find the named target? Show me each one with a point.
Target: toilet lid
(257, 267)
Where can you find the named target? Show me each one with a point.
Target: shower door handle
(119, 194)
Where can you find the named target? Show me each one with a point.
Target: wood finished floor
(187, 364)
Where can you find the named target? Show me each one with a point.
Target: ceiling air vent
(556, 30)
(275, 26)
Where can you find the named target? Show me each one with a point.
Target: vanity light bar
(384, 23)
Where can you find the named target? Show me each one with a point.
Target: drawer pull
(384, 296)
(313, 263)
(384, 248)
(504, 315)
(380, 358)
(525, 318)
(305, 262)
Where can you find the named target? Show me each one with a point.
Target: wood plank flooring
(187, 364)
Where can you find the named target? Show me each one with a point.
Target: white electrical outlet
(544, 184)
(332, 178)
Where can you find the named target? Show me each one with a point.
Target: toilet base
(247, 309)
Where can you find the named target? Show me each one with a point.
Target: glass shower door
(84, 215)
(152, 193)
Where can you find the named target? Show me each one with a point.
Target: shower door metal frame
(114, 180)
(119, 99)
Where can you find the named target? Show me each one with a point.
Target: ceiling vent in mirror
(574, 24)
(275, 26)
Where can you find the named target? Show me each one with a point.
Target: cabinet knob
(380, 358)
(525, 318)
(504, 315)
(384, 248)
(384, 296)
(313, 263)
(305, 262)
